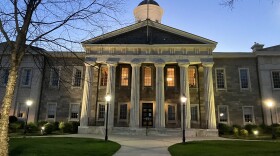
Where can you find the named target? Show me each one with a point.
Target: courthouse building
(146, 68)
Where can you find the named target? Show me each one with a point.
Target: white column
(86, 96)
(160, 114)
(184, 81)
(209, 96)
(135, 96)
(111, 91)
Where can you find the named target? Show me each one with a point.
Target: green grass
(61, 147)
(227, 148)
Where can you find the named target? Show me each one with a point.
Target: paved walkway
(142, 145)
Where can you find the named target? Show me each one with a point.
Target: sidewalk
(142, 145)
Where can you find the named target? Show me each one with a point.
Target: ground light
(270, 105)
(183, 100)
(28, 104)
(108, 99)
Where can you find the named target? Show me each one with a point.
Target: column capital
(186, 65)
(112, 64)
(88, 64)
(135, 64)
(208, 64)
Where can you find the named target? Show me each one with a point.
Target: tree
(46, 23)
(231, 3)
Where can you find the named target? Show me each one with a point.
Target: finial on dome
(148, 9)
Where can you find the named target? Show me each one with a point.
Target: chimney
(257, 47)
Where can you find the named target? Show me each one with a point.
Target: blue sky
(235, 30)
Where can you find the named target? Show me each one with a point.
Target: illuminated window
(220, 78)
(77, 76)
(124, 76)
(74, 111)
(223, 113)
(147, 76)
(248, 115)
(276, 79)
(51, 111)
(194, 113)
(192, 77)
(244, 78)
(104, 76)
(26, 77)
(54, 77)
(4, 76)
(170, 77)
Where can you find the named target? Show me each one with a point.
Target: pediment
(148, 32)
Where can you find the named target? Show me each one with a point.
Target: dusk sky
(235, 29)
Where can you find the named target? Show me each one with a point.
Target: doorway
(147, 115)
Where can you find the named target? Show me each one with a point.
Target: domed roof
(144, 2)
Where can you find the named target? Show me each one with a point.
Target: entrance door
(147, 114)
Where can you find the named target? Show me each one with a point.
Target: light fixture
(169, 79)
(108, 98)
(29, 102)
(255, 132)
(183, 99)
(222, 114)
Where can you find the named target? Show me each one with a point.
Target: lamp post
(107, 98)
(183, 100)
(270, 105)
(28, 104)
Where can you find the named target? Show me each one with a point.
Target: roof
(273, 48)
(157, 34)
(148, 1)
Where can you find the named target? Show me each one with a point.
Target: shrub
(235, 131)
(223, 129)
(48, 128)
(250, 128)
(56, 125)
(12, 119)
(244, 132)
(31, 127)
(65, 127)
(75, 126)
(15, 126)
(41, 123)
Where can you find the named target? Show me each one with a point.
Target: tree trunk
(6, 106)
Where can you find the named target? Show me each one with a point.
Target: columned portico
(135, 96)
(160, 114)
(184, 81)
(209, 96)
(86, 96)
(110, 90)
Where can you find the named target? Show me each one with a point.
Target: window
(147, 76)
(192, 77)
(103, 76)
(220, 78)
(54, 77)
(170, 77)
(248, 115)
(4, 76)
(194, 113)
(77, 76)
(51, 111)
(74, 111)
(21, 110)
(124, 76)
(223, 113)
(26, 77)
(244, 78)
(123, 112)
(101, 111)
(171, 112)
(276, 79)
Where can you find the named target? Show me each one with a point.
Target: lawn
(228, 148)
(61, 147)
